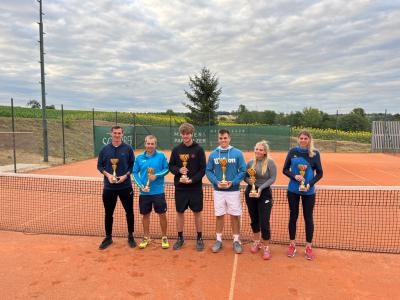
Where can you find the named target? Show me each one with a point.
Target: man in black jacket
(188, 164)
(115, 162)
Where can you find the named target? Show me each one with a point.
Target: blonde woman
(305, 159)
(260, 205)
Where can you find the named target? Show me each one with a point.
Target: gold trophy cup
(184, 158)
(114, 162)
(150, 171)
(223, 183)
(302, 168)
(252, 173)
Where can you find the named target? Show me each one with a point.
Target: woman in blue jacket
(303, 167)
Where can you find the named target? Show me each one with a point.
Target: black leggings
(308, 202)
(110, 201)
(260, 212)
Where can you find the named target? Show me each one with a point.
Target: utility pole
(43, 85)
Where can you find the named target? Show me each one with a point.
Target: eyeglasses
(223, 138)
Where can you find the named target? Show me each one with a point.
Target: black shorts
(147, 202)
(192, 199)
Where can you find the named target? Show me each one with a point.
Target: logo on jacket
(230, 161)
(193, 155)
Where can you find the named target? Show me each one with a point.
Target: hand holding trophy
(302, 168)
(252, 173)
(223, 184)
(150, 172)
(184, 158)
(114, 162)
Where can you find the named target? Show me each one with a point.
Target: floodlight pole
(43, 85)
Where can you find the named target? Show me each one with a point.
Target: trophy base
(302, 189)
(183, 179)
(223, 185)
(114, 180)
(253, 194)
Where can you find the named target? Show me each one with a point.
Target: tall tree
(33, 103)
(312, 117)
(203, 97)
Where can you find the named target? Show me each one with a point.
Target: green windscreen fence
(243, 137)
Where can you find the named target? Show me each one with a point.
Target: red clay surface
(68, 267)
(365, 169)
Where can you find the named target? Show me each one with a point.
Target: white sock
(236, 238)
(219, 237)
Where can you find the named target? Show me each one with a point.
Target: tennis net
(349, 218)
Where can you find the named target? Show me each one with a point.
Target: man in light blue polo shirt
(148, 172)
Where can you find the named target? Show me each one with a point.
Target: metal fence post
(13, 135)
(62, 132)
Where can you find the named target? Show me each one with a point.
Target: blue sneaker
(217, 246)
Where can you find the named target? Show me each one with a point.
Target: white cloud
(138, 55)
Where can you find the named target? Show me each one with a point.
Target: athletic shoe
(255, 247)
(291, 251)
(144, 243)
(217, 246)
(266, 253)
(178, 244)
(106, 242)
(237, 247)
(164, 242)
(199, 244)
(309, 253)
(131, 241)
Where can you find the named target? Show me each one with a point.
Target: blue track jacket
(314, 172)
(159, 162)
(235, 168)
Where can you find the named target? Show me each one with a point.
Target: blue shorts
(147, 202)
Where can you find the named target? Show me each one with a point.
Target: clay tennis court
(71, 267)
(352, 169)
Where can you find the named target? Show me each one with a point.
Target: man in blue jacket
(226, 194)
(148, 172)
(119, 186)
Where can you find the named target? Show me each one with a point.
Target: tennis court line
(387, 173)
(45, 215)
(234, 269)
(233, 278)
(357, 175)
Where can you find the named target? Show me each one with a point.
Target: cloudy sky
(131, 55)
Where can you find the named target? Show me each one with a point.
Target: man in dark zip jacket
(188, 182)
(123, 157)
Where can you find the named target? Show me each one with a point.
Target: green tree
(269, 117)
(33, 104)
(353, 122)
(328, 121)
(170, 112)
(312, 117)
(295, 119)
(204, 98)
(360, 111)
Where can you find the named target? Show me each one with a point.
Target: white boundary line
(233, 278)
(234, 270)
(43, 216)
(357, 175)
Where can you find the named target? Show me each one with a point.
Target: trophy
(184, 158)
(223, 183)
(302, 168)
(150, 171)
(114, 162)
(252, 173)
